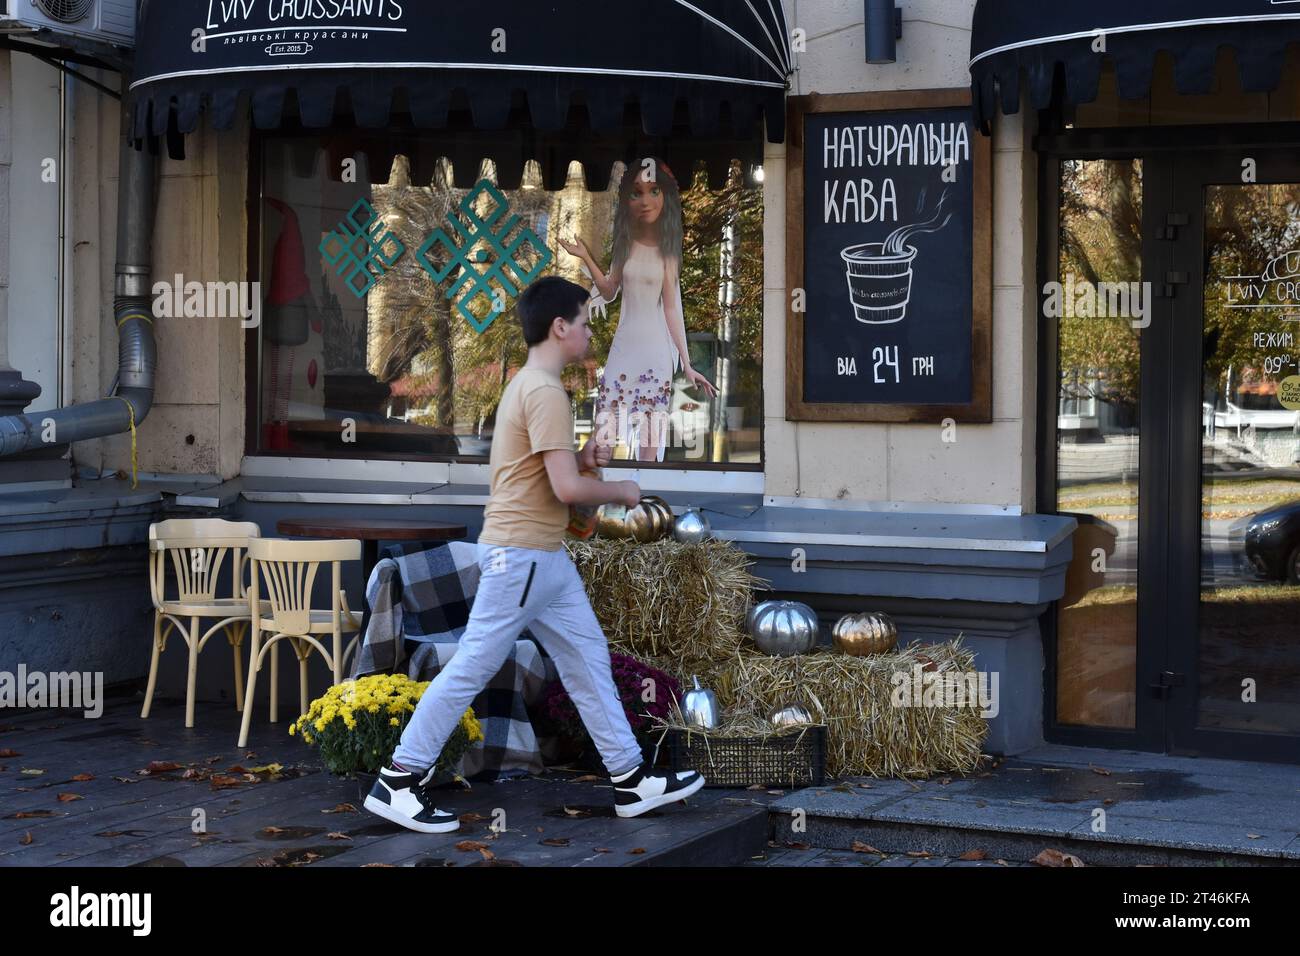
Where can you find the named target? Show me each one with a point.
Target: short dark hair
(548, 297)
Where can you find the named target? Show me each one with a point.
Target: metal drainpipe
(137, 354)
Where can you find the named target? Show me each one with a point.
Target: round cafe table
(370, 531)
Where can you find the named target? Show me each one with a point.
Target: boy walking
(528, 580)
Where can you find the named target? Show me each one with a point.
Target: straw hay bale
(867, 734)
(678, 606)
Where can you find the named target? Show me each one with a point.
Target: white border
(597, 71)
(1138, 28)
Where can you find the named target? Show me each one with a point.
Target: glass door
(1234, 507)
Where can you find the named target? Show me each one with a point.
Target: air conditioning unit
(104, 21)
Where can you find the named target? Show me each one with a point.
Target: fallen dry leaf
(857, 846)
(922, 854)
(30, 814)
(26, 839)
(793, 845)
(602, 849)
(337, 836)
(32, 772)
(273, 769)
(9, 754)
(272, 831)
(573, 813)
(757, 786)
(487, 854)
(944, 781)
(195, 773)
(342, 808)
(1050, 857)
(588, 778)
(83, 777)
(1001, 862)
(639, 849)
(388, 865)
(1253, 836)
(468, 846)
(973, 855)
(555, 841)
(159, 766)
(222, 782)
(1100, 771)
(471, 818)
(125, 780)
(69, 797)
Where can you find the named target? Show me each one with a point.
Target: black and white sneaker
(404, 798)
(645, 788)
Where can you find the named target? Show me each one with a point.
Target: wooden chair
(198, 549)
(288, 569)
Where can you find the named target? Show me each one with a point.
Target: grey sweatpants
(540, 590)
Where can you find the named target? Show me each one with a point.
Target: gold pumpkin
(650, 520)
(863, 634)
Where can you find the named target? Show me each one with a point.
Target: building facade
(1094, 534)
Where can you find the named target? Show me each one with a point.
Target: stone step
(1014, 843)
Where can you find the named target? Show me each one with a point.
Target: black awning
(705, 67)
(1056, 46)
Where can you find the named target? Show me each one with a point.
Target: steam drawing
(880, 273)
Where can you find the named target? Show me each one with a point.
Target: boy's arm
(575, 489)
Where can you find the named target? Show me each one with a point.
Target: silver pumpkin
(791, 716)
(783, 628)
(691, 527)
(700, 707)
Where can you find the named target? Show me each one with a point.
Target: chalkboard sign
(889, 259)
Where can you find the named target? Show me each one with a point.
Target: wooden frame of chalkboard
(979, 407)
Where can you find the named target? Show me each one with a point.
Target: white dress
(637, 380)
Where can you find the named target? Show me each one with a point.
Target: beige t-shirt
(534, 416)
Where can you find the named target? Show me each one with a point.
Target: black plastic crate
(787, 760)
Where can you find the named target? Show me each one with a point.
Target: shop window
(373, 359)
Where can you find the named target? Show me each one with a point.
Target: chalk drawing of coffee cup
(880, 284)
(880, 273)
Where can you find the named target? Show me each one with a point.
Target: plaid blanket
(419, 606)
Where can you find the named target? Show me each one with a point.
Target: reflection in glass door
(1247, 661)
(1098, 356)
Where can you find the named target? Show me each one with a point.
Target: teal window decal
(362, 249)
(486, 262)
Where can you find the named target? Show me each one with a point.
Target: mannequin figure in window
(649, 346)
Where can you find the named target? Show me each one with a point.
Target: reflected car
(1270, 541)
